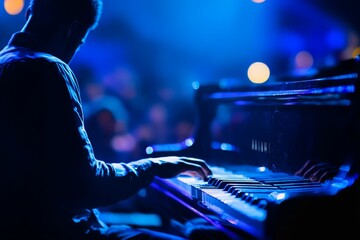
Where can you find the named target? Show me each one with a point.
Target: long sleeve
(53, 149)
(50, 177)
(90, 180)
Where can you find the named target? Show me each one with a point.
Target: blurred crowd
(122, 117)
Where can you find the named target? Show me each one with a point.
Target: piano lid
(321, 91)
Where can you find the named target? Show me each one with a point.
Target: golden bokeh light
(356, 52)
(258, 72)
(13, 7)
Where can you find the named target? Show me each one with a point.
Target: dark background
(149, 55)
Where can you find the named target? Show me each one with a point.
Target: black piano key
(227, 184)
(261, 203)
(284, 180)
(230, 187)
(299, 184)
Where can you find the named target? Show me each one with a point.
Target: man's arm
(79, 173)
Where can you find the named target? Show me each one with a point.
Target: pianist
(51, 180)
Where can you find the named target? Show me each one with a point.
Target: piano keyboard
(243, 197)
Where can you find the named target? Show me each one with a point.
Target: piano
(256, 138)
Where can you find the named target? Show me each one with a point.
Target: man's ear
(73, 28)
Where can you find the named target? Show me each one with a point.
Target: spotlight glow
(304, 60)
(356, 52)
(13, 7)
(258, 72)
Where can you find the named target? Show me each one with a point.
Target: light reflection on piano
(256, 139)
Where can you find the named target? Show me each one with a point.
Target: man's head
(62, 24)
(86, 12)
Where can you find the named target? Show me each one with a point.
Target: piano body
(256, 138)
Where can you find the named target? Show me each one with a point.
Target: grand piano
(256, 139)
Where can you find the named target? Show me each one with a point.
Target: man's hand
(168, 167)
(317, 172)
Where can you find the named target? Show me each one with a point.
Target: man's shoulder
(22, 63)
(24, 55)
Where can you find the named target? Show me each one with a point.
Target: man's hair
(86, 12)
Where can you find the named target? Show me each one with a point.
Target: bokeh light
(304, 60)
(258, 1)
(13, 7)
(356, 52)
(258, 72)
